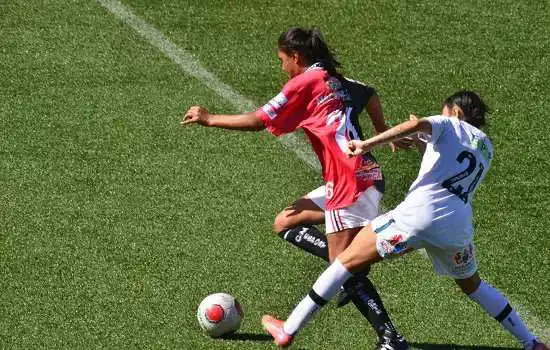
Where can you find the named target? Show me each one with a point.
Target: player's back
(456, 160)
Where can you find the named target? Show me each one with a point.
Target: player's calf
(307, 238)
(496, 305)
(366, 299)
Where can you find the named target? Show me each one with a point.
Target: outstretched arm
(200, 115)
(357, 147)
(374, 110)
(418, 141)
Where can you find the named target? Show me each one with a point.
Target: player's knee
(469, 285)
(280, 223)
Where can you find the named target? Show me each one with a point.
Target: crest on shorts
(395, 245)
(463, 257)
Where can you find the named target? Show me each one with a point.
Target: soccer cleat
(274, 327)
(387, 343)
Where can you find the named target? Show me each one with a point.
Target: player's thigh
(383, 238)
(339, 241)
(361, 253)
(342, 225)
(305, 211)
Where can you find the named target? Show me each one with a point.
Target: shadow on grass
(247, 337)
(428, 346)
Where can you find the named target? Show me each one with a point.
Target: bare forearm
(420, 144)
(400, 131)
(245, 122)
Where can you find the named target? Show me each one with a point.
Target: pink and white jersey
(314, 102)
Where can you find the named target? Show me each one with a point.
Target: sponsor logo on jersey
(368, 170)
(334, 84)
(337, 91)
(482, 147)
(268, 109)
(272, 107)
(326, 98)
(279, 100)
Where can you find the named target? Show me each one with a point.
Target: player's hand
(404, 143)
(415, 137)
(419, 142)
(357, 147)
(196, 114)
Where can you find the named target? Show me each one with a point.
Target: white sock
(324, 289)
(496, 305)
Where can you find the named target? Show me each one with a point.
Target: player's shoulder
(475, 131)
(442, 121)
(480, 140)
(358, 91)
(306, 78)
(353, 82)
(446, 123)
(475, 137)
(357, 85)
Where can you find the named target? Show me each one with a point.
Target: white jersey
(438, 204)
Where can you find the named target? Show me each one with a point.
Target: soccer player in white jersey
(436, 215)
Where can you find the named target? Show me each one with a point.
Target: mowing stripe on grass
(191, 66)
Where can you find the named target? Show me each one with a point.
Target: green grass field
(115, 222)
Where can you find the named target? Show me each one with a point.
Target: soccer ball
(219, 314)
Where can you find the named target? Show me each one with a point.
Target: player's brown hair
(472, 106)
(311, 45)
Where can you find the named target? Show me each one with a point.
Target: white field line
(191, 66)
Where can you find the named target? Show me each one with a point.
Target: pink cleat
(274, 327)
(540, 346)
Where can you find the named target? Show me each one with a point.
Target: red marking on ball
(214, 313)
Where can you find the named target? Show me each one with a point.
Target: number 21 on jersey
(457, 189)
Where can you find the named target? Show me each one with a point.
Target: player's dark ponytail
(311, 45)
(472, 106)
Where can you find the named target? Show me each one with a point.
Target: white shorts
(395, 240)
(317, 196)
(358, 214)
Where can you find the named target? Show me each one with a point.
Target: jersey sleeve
(439, 124)
(370, 92)
(360, 94)
(285, 112)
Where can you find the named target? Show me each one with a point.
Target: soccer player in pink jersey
(319, 100)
